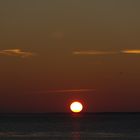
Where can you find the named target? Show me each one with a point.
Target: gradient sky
(52, 49)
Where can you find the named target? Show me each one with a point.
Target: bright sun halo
(76, 107)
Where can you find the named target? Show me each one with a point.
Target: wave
(67, 134)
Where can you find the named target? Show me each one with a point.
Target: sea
(67, 126)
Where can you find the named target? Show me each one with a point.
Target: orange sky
(54, 52)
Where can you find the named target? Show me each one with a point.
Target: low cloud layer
(71, 91)
(131, 51)
(94, 52)
(16, 52)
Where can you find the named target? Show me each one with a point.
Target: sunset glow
(53, 53)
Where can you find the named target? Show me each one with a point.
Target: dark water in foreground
(70, 127)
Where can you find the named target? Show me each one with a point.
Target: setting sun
(76, 107)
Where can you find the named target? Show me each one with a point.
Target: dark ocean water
(70, 127)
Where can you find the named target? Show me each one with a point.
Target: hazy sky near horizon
(50, 49)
